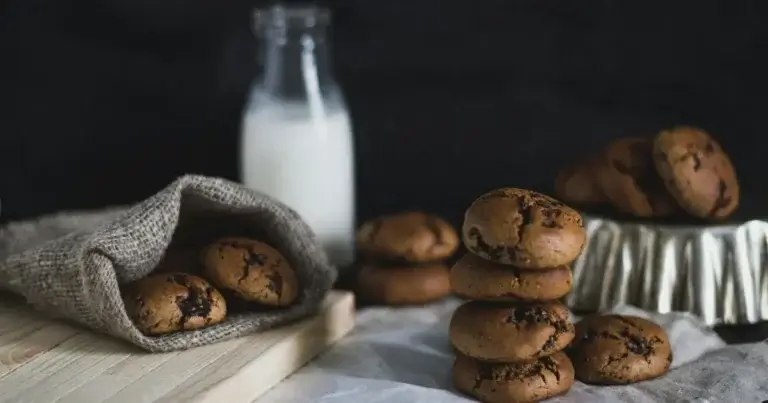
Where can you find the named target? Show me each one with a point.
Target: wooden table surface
(44, 361)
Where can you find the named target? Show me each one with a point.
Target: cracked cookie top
(528, 381)
(616, 349)
(412, 237)
(523, 228)
(697, 172)
(251, 270)
(171, 302)
(497, 332)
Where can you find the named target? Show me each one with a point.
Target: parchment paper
(403, 355)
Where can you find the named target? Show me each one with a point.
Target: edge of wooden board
(288, 355)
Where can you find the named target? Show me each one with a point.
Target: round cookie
(615, 349)
(530, 381)
(251, 270)
(409, 285)
(577, 183)
(413, 237)
(504, 333)
(473, 277)
(523, 228)
(629, 179)
(697, 172)
(165, 303)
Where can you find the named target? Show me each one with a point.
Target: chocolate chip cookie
(413, 237)
(166, 303)
(615, 349)
(629, 179)
(251, 270)
(473, 277)
(404, 285)
(530, 381)
(523, 228)
(502, 333)
(697, 172)
(577, 183)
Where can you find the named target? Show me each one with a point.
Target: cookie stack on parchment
(510, 336)
(403, 259)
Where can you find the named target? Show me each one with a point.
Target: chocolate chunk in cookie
(523, 228)
(503, 333)
(251, 270)
(615, 349)
(165, 303)
(629, 179)
(403, 285)
(413, 237)
(529, 381)
(697, 172)
(577, 183)
(473, 277)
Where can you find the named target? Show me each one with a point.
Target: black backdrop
(106, 101)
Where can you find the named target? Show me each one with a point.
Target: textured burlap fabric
(70, 265)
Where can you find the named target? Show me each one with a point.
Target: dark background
(107, 101)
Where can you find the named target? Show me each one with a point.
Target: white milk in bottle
(296, 141)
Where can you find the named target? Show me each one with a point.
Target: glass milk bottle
(296, 139)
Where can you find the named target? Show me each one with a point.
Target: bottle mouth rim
(298, 15)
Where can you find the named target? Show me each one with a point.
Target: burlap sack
(70, 265)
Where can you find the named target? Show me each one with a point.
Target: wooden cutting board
(43, 361)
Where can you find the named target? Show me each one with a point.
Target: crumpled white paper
(403, 355)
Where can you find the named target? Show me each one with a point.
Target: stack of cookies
(510, 337)
(403, 259)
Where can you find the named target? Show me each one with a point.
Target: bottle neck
(296, 62)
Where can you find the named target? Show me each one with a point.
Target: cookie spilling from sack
(680, 172)
(251, 270)
(192, 289)
(172, 302)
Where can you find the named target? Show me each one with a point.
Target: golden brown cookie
(407, 285)
(251, 270)
(413, 237)
(165, 303)
(697, 172)
(530, 381)
(523, 228)
(473, 277)
(577, 183)
(510, 333)
(629, 179)
(615, 349)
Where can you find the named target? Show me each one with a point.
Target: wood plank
(47, 361)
